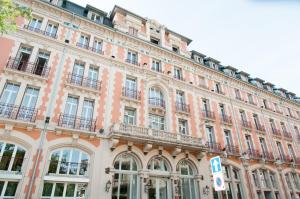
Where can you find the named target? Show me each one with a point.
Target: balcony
(157, 102)
(226, 119)
(86, 82)
(25, 114)
(93, 49)
(81, 45)
(232, 150)
(182, 107)
(27, 67)
(131, 93)
(276, 132)
(208, 115)
(268, 156)
(246, 124)
(253, 103)
(132, 61)
(49, 34)
(77, 123)
(214, 147)
(254, 154)
(285, 159)
(238, 97)
(287, 134)
(147, 135)
(260, 128)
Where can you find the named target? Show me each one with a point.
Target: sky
(260, 37)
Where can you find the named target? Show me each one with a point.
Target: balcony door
(51, 29)
(41, 63)
(70, 112)
(158, 188)
(22, 58)
(77, 73)
(8, 98)
(97, 45)
(263, 146)
(87, 114)
(35, 24)
(93, 76)
(210, 135)
(228, 139)
(84, 41)
(27, 109)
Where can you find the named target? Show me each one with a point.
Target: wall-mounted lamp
(107, 186)
(148, 185)
(206, 190)
(107, 170)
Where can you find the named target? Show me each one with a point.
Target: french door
(159, 188)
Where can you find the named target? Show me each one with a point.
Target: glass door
(159, 188)
(30, 97)
(93, 77)
(77, 74)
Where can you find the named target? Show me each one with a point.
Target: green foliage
(9, 11)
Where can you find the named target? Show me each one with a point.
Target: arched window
(125, 182)
(233, 184)
(11, 161)
(293, 183)
(66, 163)
(159, 183)
(265, 179)
(156, 97)
(187, 184)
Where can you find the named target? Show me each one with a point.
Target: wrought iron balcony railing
(254, 154)
(81, 45)
(287, 134)
(142, 134)
(22, 113)
(132, 61)
(246, 124)
(226, 119)
(27, 67)
(63, 168)
(37, 30)
(131, 93)
(268, 156)
(238, 97)
(83, 81)
(97, 50)
(182, 107)
(158, 102)
(260, 127)
(208, 114)
(232, 150)
(77, 123)
(214, 147)
(276, 132)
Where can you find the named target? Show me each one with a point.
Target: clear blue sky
(261, 37)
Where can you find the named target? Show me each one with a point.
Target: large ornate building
(115, 106)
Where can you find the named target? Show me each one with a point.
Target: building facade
(96, 105)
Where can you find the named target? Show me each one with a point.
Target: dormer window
(133, 31)
(175, 49)
(200, 60)
(154, 40)
(96, 18)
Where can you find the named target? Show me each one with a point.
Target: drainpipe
(48, 112)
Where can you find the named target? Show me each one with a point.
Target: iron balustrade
(260, 127)
(246, 124)
(97, 50)
(78, 123)
(268, 156)
(81, 45)
(287, 134)
(238, 98)
(158, 102)
(27, 67)
(254, 154)
(131, 93)
(208, 114)
(132, 61)
(84, 81)
(253, 103)
(182, 107)
(214, 147)
(276, 132)
(226, 118)
(68, 168)
(37, 30)
(232, 150)
(10, 111)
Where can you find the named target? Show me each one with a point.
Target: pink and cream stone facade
(92, 111)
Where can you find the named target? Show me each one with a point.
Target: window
(27, 109)
(97, 18)
(291, 152)
(156, 122)
(156, 97)
(263, 146)
(183, 126)
(22, 58)
(180, 97)
(205, 104)
(178, 73)
(69, 117)
(188, 185)
(175, 49)
(125, 179)
(265, 103)
(92, 80)
(154, 40)
(202, 81)
(41, 63)
(129, 116)
(280, 151)
(84, 41)
(158, 164)
(156, 66)
(97, 45)
(228, 139)
(237, 94)
(218, 88)
(132, 57)
(273, 126)
(222, 111)
(130, 88)
(77, 73)
(250, 98)
(283, 127)
(64, 190)
(210, 136)
(8, 189)
(86, 120)
(249, 142)
(133, 31)
(51, 29)
(9, 94)
(256, 122)
(243, 116)
(35, 24)
(11, 158)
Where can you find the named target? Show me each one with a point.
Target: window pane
(1, 186)
(11, 189)
(54, 162)
(81, 188)
(59, 189)
(70, 190)
(17, 165)
(7, 155)
(47, 190)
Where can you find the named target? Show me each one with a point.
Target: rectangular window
(156, 66)
(129, 116)
(291, 151)
(243, 116)
(41, 63)
(132, 57)
(183, 126)
(202, 81)
(130, 83)
(210, 134)
(249, 142)
(71, 106)
(228, 139)
(180, 99)
(256, 121)
(250, 98)
(35, 24)
(283, 127)
(263, 146)
(30, 97)
(178, 73)
(265, 104)
(280, 151)
(222, 111)
(218, 88)
(84, 41)
(97, 18)
(156, 122)
(205, 104)
(77, 73)
(93, 77)
(237, 94)
(22, 58)
(97, 45)
(133, 31)
(9, 94)
(154, 40)
(87, 109)
(273, 126)
(51, 29)
(175, 49)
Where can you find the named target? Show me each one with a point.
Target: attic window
(154, 40)
(95, 17)
(175, 49)
(133, 31)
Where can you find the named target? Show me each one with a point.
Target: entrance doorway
(159, 188)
